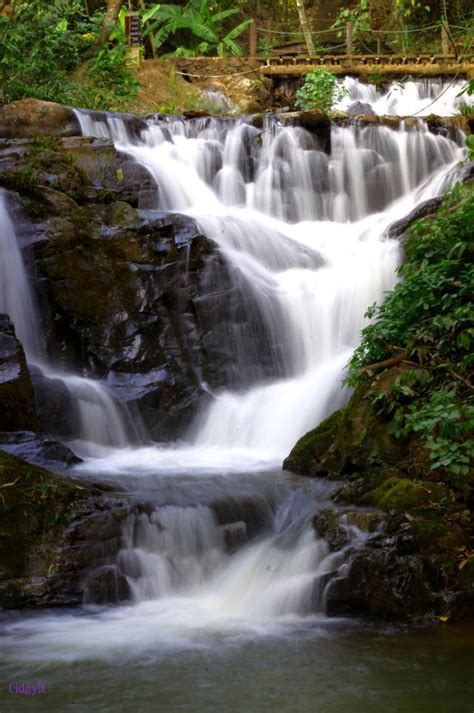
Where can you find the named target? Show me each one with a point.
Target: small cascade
(420, 97)
(213, 166)
(173, 549)
(99, 419)
(178, 552)
(102, 422)
(16, 298)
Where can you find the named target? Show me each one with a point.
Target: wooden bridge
(296, 65)
(364, 64)
(293, 60)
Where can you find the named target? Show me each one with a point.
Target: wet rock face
(17, 407)
(361, 109)
(148, 303)
(54, 531)
(38, 449)
(69, 562)
(383, 584)
(138, 298)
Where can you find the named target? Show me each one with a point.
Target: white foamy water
(408, 98)
(100, 422)
(304, 234)
(16, 298)
(187, 591)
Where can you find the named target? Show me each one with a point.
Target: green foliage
(203, 25)
(406, 8)
(319, 91)
(359, 15)
(46, 53)
(470, 147)
(467, 109)
(427, 319)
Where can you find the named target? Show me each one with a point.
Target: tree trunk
(305, 26)
(111, 17)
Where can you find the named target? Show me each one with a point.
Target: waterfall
(181, 551)
(303, 233)
(100, 421)
(421, 97)
(16, 298)
(305, 236)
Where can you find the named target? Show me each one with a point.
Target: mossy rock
(33, 501)
(403, 494)
(436, 535)
(306, 456)
(17, 408)
(352, 439)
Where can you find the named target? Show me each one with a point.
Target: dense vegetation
(49, 51)
(74, 51)
(426, 322)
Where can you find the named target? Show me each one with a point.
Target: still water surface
(339, 668)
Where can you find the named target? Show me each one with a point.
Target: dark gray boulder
(358, 108)
(17, 406)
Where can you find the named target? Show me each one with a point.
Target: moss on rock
(403, 494)
(33, 502)
(307, 455)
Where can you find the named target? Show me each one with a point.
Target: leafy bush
(204, 27)
(319, 91)
(427, 322)
(358, 14)
(46, 53)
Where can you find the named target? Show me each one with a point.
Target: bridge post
(444, 36)
(349, 45)
(253, 40)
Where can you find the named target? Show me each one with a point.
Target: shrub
(427, 321)
(319, 91)
(45, 53)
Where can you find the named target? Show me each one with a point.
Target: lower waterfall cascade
(306, 234)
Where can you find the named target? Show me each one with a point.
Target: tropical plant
(206, 35)
(359, 15)
(319, 91)
(63, 62)
(425, 326)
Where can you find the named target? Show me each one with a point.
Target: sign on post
(133, 29)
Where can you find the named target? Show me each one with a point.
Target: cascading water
(303, 231)
(16, 299)
(99, 422)
(182, 551)
(420, 98)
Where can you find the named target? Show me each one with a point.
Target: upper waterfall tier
(301, 225)
(421, 97)
(213, 165)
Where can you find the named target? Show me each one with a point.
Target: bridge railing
(453, 40)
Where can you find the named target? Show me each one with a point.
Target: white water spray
(101, 423)
(420, 98)
(304, 231)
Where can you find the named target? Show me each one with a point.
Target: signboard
(133, 29)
